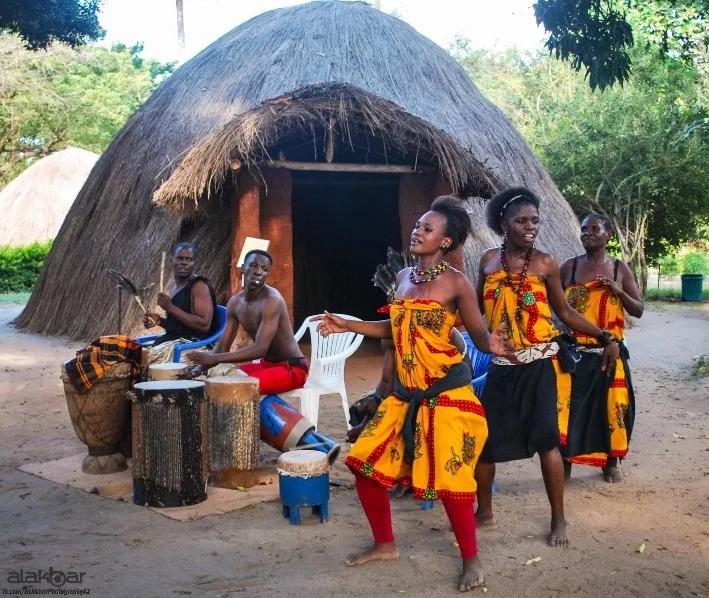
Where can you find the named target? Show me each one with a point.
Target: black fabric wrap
(459, 375)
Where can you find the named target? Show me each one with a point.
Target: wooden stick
(162, 273)
(145, 311)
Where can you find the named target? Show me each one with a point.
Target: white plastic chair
(327, 368)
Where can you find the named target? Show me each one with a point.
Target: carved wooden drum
(233, 424)
(169, 443)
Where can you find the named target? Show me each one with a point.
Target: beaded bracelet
(606, 338)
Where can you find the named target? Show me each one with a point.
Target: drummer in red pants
(262, 311)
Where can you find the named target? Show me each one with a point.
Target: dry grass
(114, 224)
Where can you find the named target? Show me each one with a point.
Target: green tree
(39, 22)
(597, 35)
(63, 97)
(617, 153)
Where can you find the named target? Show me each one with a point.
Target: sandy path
(126, 550)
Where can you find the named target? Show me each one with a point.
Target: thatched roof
(204, 106)
(349, 112)
(34, 204)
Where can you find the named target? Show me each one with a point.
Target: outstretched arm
(332, 324)
(201, 305)
(469, 311)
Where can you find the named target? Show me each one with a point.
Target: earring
(504, 240)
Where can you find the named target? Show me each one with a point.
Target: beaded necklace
(429, 274)
(522, 279)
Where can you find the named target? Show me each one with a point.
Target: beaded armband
(606, 338)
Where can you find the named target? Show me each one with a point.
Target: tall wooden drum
(166, 371)
(169, 443)
(233, 416)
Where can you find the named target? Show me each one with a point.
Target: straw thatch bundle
(34, 204)
(222, 103)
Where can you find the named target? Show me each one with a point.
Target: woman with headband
(525, 394)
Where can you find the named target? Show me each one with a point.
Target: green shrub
(695, 262)
(668, 265)
(669, 295)
(20, 266)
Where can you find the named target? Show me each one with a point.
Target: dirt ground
(125, 550)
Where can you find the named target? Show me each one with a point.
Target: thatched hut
(327, 128)
(34, 204)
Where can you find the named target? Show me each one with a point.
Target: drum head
(168, 366)
(168, 385)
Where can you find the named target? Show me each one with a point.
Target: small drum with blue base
(304, 480)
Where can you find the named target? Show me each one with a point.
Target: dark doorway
(342, 226)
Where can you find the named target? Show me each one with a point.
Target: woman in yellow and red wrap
(525, 395)
(429, 432)
(601, 289)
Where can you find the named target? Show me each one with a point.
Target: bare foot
(379, 552)
(473, 574)
(611, 475)
(557, 536)
(567, 469)
(485, 518)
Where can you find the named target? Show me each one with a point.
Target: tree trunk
(643, 270)
(180, 29)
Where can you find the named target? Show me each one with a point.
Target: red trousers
(375, 502)
(275, 377)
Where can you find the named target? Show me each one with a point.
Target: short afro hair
(258, 252)
(502, 204)
(458, 225)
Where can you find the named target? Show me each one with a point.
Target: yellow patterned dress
(527, 398)
(602, 409)
(450, 429)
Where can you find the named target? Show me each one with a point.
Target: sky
(488, 23)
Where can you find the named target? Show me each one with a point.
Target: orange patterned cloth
(92, 362)
(598, 305)
(535, 331)
(450, 429)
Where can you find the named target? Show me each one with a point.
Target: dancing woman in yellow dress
(600, 288)
(526, 395)
(429, 433)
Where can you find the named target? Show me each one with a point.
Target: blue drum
(285, 429)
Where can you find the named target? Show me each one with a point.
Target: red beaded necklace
(522, 279)
(429, 274)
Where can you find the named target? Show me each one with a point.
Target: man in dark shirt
(190, 303)
(263, 313)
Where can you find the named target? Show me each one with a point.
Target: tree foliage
(597, 35)
(40, 22)
(621, 153)
(50, 100)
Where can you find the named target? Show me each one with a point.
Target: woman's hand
(611, 352)
(613, 285)
(151, 320)
(329, 324)
(500, 343)
(206, 360)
